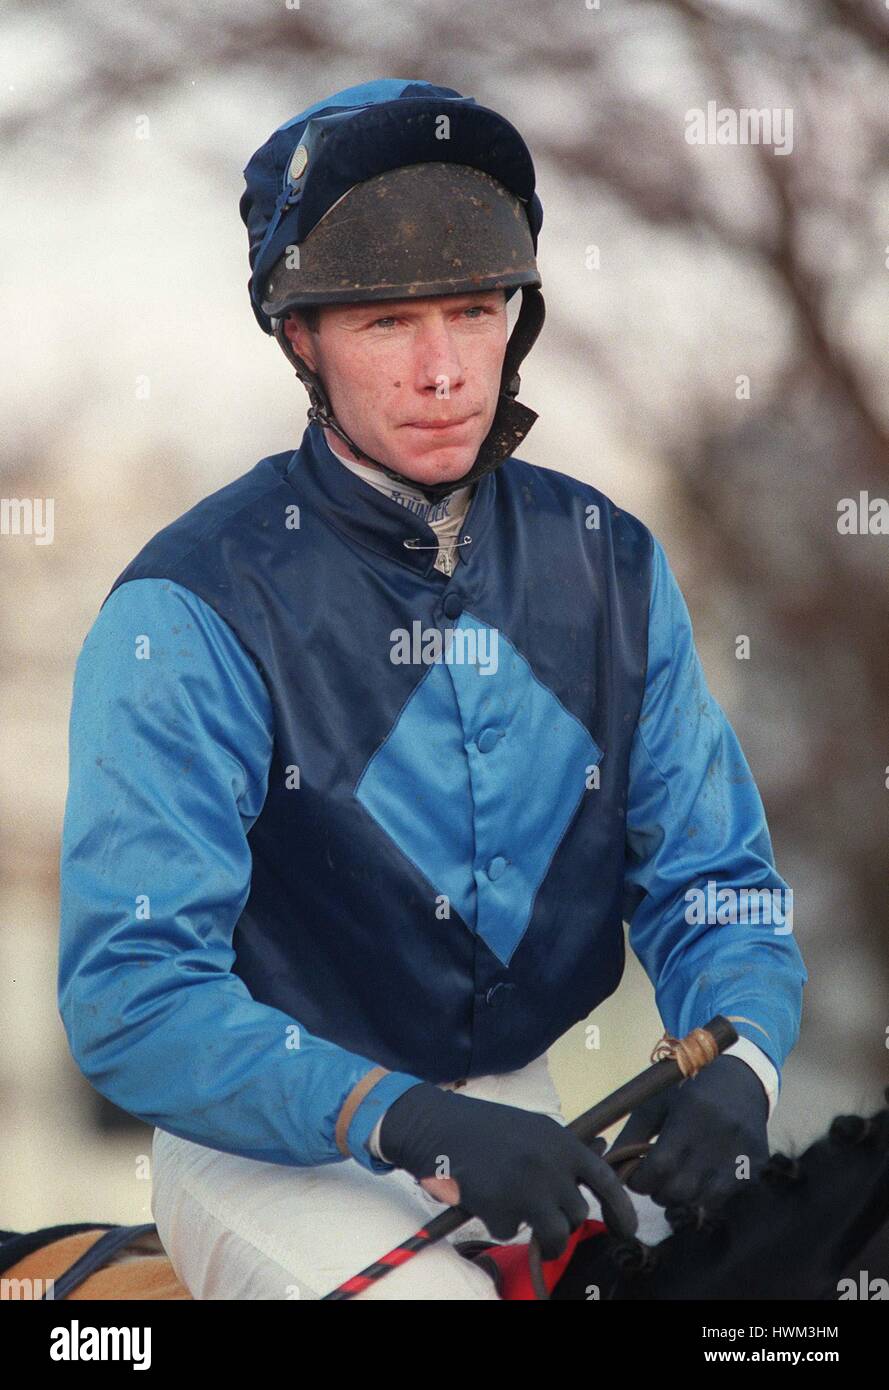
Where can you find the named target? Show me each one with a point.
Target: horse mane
(811, 1226)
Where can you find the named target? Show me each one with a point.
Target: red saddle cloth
(512, 1269)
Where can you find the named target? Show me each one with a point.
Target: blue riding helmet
(389, 190)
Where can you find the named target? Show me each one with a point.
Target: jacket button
(487, 740)
(498, 994)
(496, 867)
(453, 605)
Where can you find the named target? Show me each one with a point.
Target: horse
(814, 1226)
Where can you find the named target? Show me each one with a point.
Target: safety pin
(413, 544)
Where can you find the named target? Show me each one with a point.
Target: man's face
(413, 381)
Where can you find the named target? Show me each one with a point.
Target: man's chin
(436, 463)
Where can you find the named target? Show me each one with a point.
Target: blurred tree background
(714, 358)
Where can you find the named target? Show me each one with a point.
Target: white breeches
(237, 1228)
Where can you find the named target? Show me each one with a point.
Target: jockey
(374, 750)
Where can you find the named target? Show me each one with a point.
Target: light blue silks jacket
(299, 845)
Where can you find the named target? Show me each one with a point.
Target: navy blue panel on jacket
(388, 817)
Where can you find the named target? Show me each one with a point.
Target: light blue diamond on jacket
(478, 780)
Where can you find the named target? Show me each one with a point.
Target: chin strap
(511, 422)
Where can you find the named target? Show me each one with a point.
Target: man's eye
(386, 319)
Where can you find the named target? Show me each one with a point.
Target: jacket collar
(370, 518)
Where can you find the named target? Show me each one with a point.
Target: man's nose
(437, 358)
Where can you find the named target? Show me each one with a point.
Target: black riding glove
(511, 1165)
(706, 1124)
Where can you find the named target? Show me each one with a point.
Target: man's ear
(300, 339)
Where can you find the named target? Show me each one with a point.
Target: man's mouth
(437, 425)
